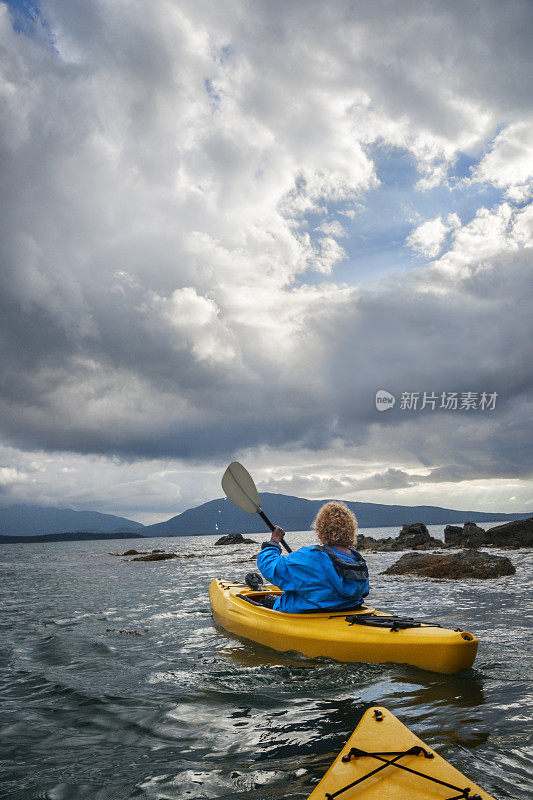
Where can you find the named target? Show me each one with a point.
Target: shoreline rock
(466, 564)
(510, 535)
(513, 535)
(470, 535)
(234, 538)
(411, 537)
(136, 553)
(156, 557)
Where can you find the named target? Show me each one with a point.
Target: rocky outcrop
(416, 536)
(234, 538)
(466, 564)
(156, 557)
(411, 537)
(136, 553)
(511, 534)
(413, 529)
(470, 535)
(453, 535)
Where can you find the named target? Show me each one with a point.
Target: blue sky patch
(213, 94)
(24, 14)
(375, 240)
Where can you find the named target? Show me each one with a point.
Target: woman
(330, 575)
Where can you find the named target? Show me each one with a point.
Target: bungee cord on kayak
(356, 752)
(380, 736)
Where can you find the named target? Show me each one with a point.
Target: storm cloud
(183, 186)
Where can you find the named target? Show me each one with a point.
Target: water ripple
(179, 709)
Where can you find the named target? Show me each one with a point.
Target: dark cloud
(157, 171)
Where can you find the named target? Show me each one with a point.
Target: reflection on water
(464, 690)
(185, 711)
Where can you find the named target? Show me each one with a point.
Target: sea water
(115, 683)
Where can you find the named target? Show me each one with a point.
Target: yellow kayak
(363, 634)
(383, 760)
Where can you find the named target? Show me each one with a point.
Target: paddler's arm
(277, 535)
(273, 566)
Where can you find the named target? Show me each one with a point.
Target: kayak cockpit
(256, 598)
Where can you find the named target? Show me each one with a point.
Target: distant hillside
(74, 536)
(32, 520)
(296, 514)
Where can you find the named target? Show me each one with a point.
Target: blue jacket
(310, 580)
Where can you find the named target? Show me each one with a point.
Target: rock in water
(413, 529)
(234, 538)
(513, 534)
(467, 564)
(416, 537)
(411, 537)
(453, 535)
(473, 535)
(156, 557)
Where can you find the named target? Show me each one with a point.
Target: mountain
(32, 520)
(72, 536)
(296, 514)
(220, 517)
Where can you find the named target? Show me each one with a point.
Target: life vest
(349, 570)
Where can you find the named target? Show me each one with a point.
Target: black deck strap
(416, 750)
(392, 621)
(330, 796)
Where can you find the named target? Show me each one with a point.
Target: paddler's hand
(277, 535)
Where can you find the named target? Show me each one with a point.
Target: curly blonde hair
(335, 524)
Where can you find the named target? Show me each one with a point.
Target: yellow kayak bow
(384, 760)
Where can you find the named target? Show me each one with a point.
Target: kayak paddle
(239, 487)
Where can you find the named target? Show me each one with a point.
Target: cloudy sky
(227, 225)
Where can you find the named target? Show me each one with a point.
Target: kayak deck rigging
(381, 737)
(355, 752)
(416, 750)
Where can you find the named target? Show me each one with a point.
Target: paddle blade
(239, 487)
